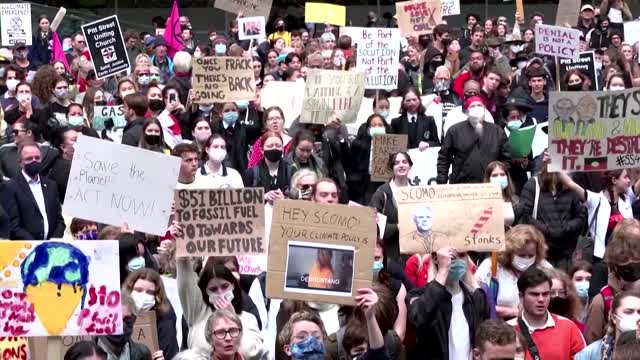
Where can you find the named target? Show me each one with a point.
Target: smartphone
(172, 98)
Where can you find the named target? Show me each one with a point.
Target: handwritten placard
(320, 252)
(220, 79)
(55, 288)
(418, 17)
(382, 146)
(426, 224)
(145, 331)
(451, 7)
(246, 7)
(116, 184)
(557, 41)
(222, 222)
(103, 113)
(595, 130)
(379, 57)
(332, 92)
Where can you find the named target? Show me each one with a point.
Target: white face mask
(217, 155)
(12, 83)
(144, 301)
(521, 263)
(616, 87)
(628, 322)
(214, 296)
(476, 112)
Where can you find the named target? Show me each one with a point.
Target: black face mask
(446, 42)
(574, 87)
(280, 28)
(559, 306)
(629, 272)
(127, 330)
(33, 168)
(152, 139)
(273, 155)
(156, 105)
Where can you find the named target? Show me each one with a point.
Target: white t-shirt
(459, 342)
(599, 226)
(233, 180)
(200, 182)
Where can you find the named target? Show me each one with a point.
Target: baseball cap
(19, 44)
(149, 40)
(586, 7)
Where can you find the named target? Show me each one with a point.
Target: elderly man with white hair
(181, 78)
(442, 101)
(328, 41)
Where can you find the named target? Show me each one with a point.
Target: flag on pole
(56, 52)
(173, 32)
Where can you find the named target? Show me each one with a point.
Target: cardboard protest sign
(247, 7)
(56, 288)
(450, 7)
(320, 252)
(595, 130)
(567, 13)
(426, 224)
(55, 347)
(325, 13)
(220, 79)
(287, 95)
(379, 57)
(251, 28)
(113, 184)
(102, 114)
(145, 331)
(418, 17)
(586, 64)
(14, 348)
(15, 24)
(332, 92)
(520, 11)
(557, 41)
(382, 146)
(221, 222)
(106, 46)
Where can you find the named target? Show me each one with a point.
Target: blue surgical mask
(582, 289)
(221, 49)
(76, 120)
(205, 108)
(230, 117)
(501, 180)
(144, 80)
(514, 124)
(377, 131)
(311, 348)
(384, 114)
(377, 266)
(242, 104)
(457, 269)
(136, 263)
(154, 78)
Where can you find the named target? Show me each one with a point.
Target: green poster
(521, 140)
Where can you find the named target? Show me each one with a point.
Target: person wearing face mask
(216, 165)
(302, 183)
(152, 137)
(548, 336)
(235, 136)
(146, 288)
(497, 173)
(434, 57)
(83, 229)
(442, 101)
(525, 247)
(564, 300)
(302, 337)
(21, 58)
(117, 345)
(9, 100)
(447, 310)
(31, 200)
(468, 160)
(219, 45)
(273, 173)
(615, 82)
(599, 36)
(280, 32)
(53, 114)
(581, 275)
(625, 308)
(574, 80)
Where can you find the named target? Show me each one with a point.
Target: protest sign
(567, 12)
(418, 17)
(424, 170)
(379, 57)
(251, 28)
(520, 11)
(595, 130)
(450, 7)
(145, 331)
(382, 146)
(586, 64)
(102, 114)
(116, 184)
(15, 23)
(106, 46)
(557, 41)
(325, 13)
(320, 252)
(220, 79)
(14, 348)
(426, 224)
(632, 32)
(287, 95)
(56, 288)
(332, 92)
(246, 7)
(221, 222)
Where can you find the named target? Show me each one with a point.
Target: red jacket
(458, 84)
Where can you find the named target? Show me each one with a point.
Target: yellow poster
(325, 13)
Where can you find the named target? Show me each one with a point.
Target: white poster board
(251, 28)
(285, 94)
(558, 41)
(379, 57)
(15, 23)
(449, 7)
(632, 32)
(424, 170)
(113, 184)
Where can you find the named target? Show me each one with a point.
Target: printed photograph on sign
(251, 28)
(315, 268)
(38, 276)
(246, 7)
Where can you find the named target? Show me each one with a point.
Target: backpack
(607, 295)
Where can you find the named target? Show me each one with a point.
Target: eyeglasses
(18, 131)
(274, 119)
(221, 334)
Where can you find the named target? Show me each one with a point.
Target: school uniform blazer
(26, 220)
(426, 130)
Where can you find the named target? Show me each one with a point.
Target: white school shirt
(459, 342)
(599, 227)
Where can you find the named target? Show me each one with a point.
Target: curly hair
(44, 82)
(517, 238)
(624, 245)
